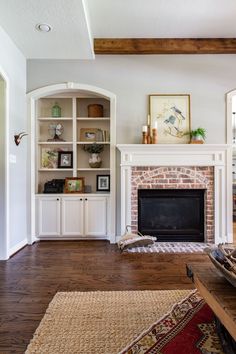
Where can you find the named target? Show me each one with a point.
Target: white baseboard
(32, 240)
(17, 247)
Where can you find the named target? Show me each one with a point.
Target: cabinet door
(49, 216)
(95, 216)
(72, 216)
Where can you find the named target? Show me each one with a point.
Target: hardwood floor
(30, 279)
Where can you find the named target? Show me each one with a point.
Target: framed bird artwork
(170, 114)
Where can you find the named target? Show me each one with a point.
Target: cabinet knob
(58, 199)
(81, 199)
(86, 199)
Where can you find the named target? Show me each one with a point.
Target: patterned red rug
(189, 328)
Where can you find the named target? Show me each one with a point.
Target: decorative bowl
(217, 258)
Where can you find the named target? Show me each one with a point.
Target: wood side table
(219, 294)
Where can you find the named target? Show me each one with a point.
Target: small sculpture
(18, 137)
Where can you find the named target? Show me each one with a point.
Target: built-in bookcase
(74, 120)
(75, 123)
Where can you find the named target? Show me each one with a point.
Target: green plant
(198, 131)
(93, 148)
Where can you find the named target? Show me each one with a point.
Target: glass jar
(56, 110)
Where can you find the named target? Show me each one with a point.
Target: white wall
(132, 78)
(3, 248)
(207, 78)
(13, 64)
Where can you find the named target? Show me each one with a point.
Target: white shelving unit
(53, 216)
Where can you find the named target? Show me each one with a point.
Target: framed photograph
(74, 185)
(170, 114)
(88, 134)
(103, 183)
(65, 159)
(49, 158)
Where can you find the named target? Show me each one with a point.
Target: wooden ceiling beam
(165, 45)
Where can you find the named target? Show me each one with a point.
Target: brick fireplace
(192, 177)
(203, 167)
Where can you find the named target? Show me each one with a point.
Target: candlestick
(144, 141)
(149, 139)
(154, 136)
(144, 129)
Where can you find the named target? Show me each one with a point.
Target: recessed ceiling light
(43, 27)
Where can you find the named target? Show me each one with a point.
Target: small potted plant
(94, 149)
(198, 136)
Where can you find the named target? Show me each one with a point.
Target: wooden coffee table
(218, 293)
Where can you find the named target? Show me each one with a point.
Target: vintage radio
(54, 186)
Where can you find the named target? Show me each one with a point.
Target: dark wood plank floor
(30, 279)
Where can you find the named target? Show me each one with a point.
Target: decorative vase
(95, 161)
(56, 110)
(197, 139)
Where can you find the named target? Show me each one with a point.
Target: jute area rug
(99, 322)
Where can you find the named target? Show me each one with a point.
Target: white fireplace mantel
(217, 155)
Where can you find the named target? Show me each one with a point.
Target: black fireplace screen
(172, 215)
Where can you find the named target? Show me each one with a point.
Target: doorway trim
(229, 96)
(229, 137)
(5, 239)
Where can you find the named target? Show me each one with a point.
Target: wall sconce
(18, 137)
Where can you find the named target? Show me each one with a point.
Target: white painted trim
(215, 155)
(68, 86)
(229, 139)
(112, 200)
(125, 197)
(71, 87)
(86, 15)
(6, 237)
(17, 247)
(229, 135)
(229, 196)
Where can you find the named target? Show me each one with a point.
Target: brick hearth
(194, 177)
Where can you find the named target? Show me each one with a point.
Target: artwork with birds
(174, 121)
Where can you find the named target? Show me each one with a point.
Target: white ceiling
(71, 39)
(70, 36)
(163, 18)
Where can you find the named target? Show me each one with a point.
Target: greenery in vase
(198, 132)
(93, 148)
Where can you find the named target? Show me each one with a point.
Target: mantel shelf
(173, 154)
(151, 147)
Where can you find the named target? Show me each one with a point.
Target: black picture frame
(103, 183)
(65, 159)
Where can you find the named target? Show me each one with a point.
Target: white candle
(144, 129)
(155, 125)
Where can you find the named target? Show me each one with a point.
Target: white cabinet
(72, 216)
(49, 216)
(95, 221)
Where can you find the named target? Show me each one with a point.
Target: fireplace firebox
(172, 214)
